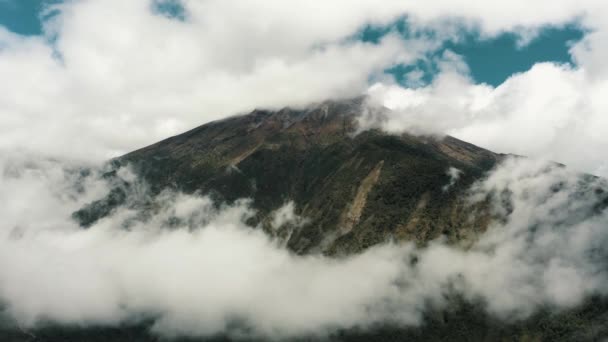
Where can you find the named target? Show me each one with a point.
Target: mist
(194, 268)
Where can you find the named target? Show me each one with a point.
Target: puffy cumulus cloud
(434, 109)
(111, 76)
(195, 269)
(552, 111)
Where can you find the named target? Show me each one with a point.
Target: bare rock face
(355, 189)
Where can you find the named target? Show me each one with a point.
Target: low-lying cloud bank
(195, 269)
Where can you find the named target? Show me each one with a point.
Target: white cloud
(454, 175)
(119, 76)
(286, 215)
(551, 111)
(200, 276)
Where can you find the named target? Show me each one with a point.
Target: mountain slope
(354, 189)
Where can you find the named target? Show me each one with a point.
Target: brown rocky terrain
(354, 189)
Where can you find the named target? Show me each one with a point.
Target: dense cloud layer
(118, 75)
(198, 270)
(110, 76)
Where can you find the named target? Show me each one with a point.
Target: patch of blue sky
(25, 16)
(173, 9)
(490, 60)
(22, 16)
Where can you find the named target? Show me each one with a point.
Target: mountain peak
(335, 116)
(354, 189)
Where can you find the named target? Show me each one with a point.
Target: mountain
(345, 189)
(353, 189)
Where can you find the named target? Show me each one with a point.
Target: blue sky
(490, 61)
(21, 16)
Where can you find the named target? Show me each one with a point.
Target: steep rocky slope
(353, 189)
